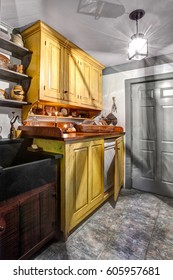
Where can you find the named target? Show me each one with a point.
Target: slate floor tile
(138, 226)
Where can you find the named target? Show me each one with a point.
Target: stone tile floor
(138, 227)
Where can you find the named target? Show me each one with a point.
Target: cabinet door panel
(47, 211)
(119, 167)
(84, 180)
(80, 192)
(97, 169)
(52, 69)
(9, 234)
(96, 90)
(77, 182)
(70, 77)
(29, 223)
(86, 94)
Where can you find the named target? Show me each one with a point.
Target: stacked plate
(17, 39)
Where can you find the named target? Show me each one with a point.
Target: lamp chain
(136, 26)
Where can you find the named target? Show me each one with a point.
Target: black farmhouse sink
(22, 170)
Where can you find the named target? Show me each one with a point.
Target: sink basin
(21, 170)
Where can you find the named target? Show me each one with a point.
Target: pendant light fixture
(138, 47)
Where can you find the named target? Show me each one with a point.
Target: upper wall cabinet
(51, 70)
(62, 73)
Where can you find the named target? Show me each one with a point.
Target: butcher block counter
(57, 133)
(82, 169)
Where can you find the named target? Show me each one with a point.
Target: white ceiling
(105, 37)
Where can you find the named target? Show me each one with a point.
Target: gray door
(152, 137)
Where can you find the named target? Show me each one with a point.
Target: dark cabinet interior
(27, 222)
(28, 199)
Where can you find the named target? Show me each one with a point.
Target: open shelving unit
(24, 55)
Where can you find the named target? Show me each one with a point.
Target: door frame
(128, 119)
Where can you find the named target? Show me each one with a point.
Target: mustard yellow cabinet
(96, 87)
(88, 82)
(86, 93)
(51, 70)
(73, 79)
(77, 79)
(46, 64)
(119, 166)
(83, 180)
(62, 73)
(92, 85)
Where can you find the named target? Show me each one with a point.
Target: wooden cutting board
(98, 128)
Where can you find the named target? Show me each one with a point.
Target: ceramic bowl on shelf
(4, 61)
(17, 93)
(16, 67)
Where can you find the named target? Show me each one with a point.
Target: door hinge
(44, 87)
(45, 43)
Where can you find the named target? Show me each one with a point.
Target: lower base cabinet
(82, 177)
(27, 222)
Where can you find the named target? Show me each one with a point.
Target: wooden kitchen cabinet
(27, 221)
(96, 87)
(86, 90)
(62, 73)
(9, 231)
(45, 66)
(82, 175)
(73, 82)
(52, 55)
(83, 81)
(119, 166)
(84, 180)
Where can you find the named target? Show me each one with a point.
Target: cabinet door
(9, 232)
(96, 88)
(96, 174)
(70, 90)
(86, 93)
(78, 81)
(37, 216)
(29, 222)
(119, 167)
(53, 57)
(77, 183)
(48, 214)
(84, 180)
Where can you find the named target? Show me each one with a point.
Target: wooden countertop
(57, 134)
(83, 136)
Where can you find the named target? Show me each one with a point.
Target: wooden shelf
(16, 50)
(52, 118)
(12, 76)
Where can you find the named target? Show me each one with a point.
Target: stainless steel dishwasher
(109, 163)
